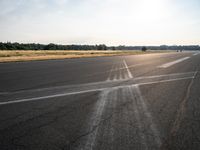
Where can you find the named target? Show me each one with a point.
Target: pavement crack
(179, 117)
(70, 144)
(181, 111)
(96, 126)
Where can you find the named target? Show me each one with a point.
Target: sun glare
(151, 10)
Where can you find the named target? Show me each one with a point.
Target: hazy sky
(113, 22)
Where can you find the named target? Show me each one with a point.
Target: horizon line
(102, 44)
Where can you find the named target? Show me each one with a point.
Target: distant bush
(144, 49)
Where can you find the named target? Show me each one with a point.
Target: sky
(110, 22)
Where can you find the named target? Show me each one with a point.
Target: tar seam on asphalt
(182, 107)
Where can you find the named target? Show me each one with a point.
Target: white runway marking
(50, 96)
(163, 81)
(173, 63)
(96, 119)
(165, 75)
(129, 73)
(142, 107)
(119, 72)
(131, 66)
(4, 93)
(196, 54)
(120, 75)
(115, 74)
(111, 70)
(92, 87)
(137, 109)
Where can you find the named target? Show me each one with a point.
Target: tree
(113, 48)
(2, 46)
(102, 47)
(144, 49)
(50, 46)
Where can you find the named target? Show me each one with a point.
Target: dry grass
(28, 55)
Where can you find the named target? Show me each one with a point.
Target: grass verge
(29, 55)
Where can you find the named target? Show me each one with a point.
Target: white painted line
(120, 75)
(126, 76)
(111, 70)
(64, 86)
(129, 73)
(153, 82)
(4, 93)
(96, 119)
(115, 74)
(173, 63)
(86, 91)
(96, 83)
(196, 54)
(149, 119)
(165, 75)
(163, 81)
(137, 115)
(131, 66)
(50, 96)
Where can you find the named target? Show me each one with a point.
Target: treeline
(51, 46)
(162, 47)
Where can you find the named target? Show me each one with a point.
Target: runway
(142, 102)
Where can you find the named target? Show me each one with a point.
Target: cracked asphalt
(153, 108)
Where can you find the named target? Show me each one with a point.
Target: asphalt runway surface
(140, 102)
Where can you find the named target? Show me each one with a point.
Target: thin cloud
(113, 22)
